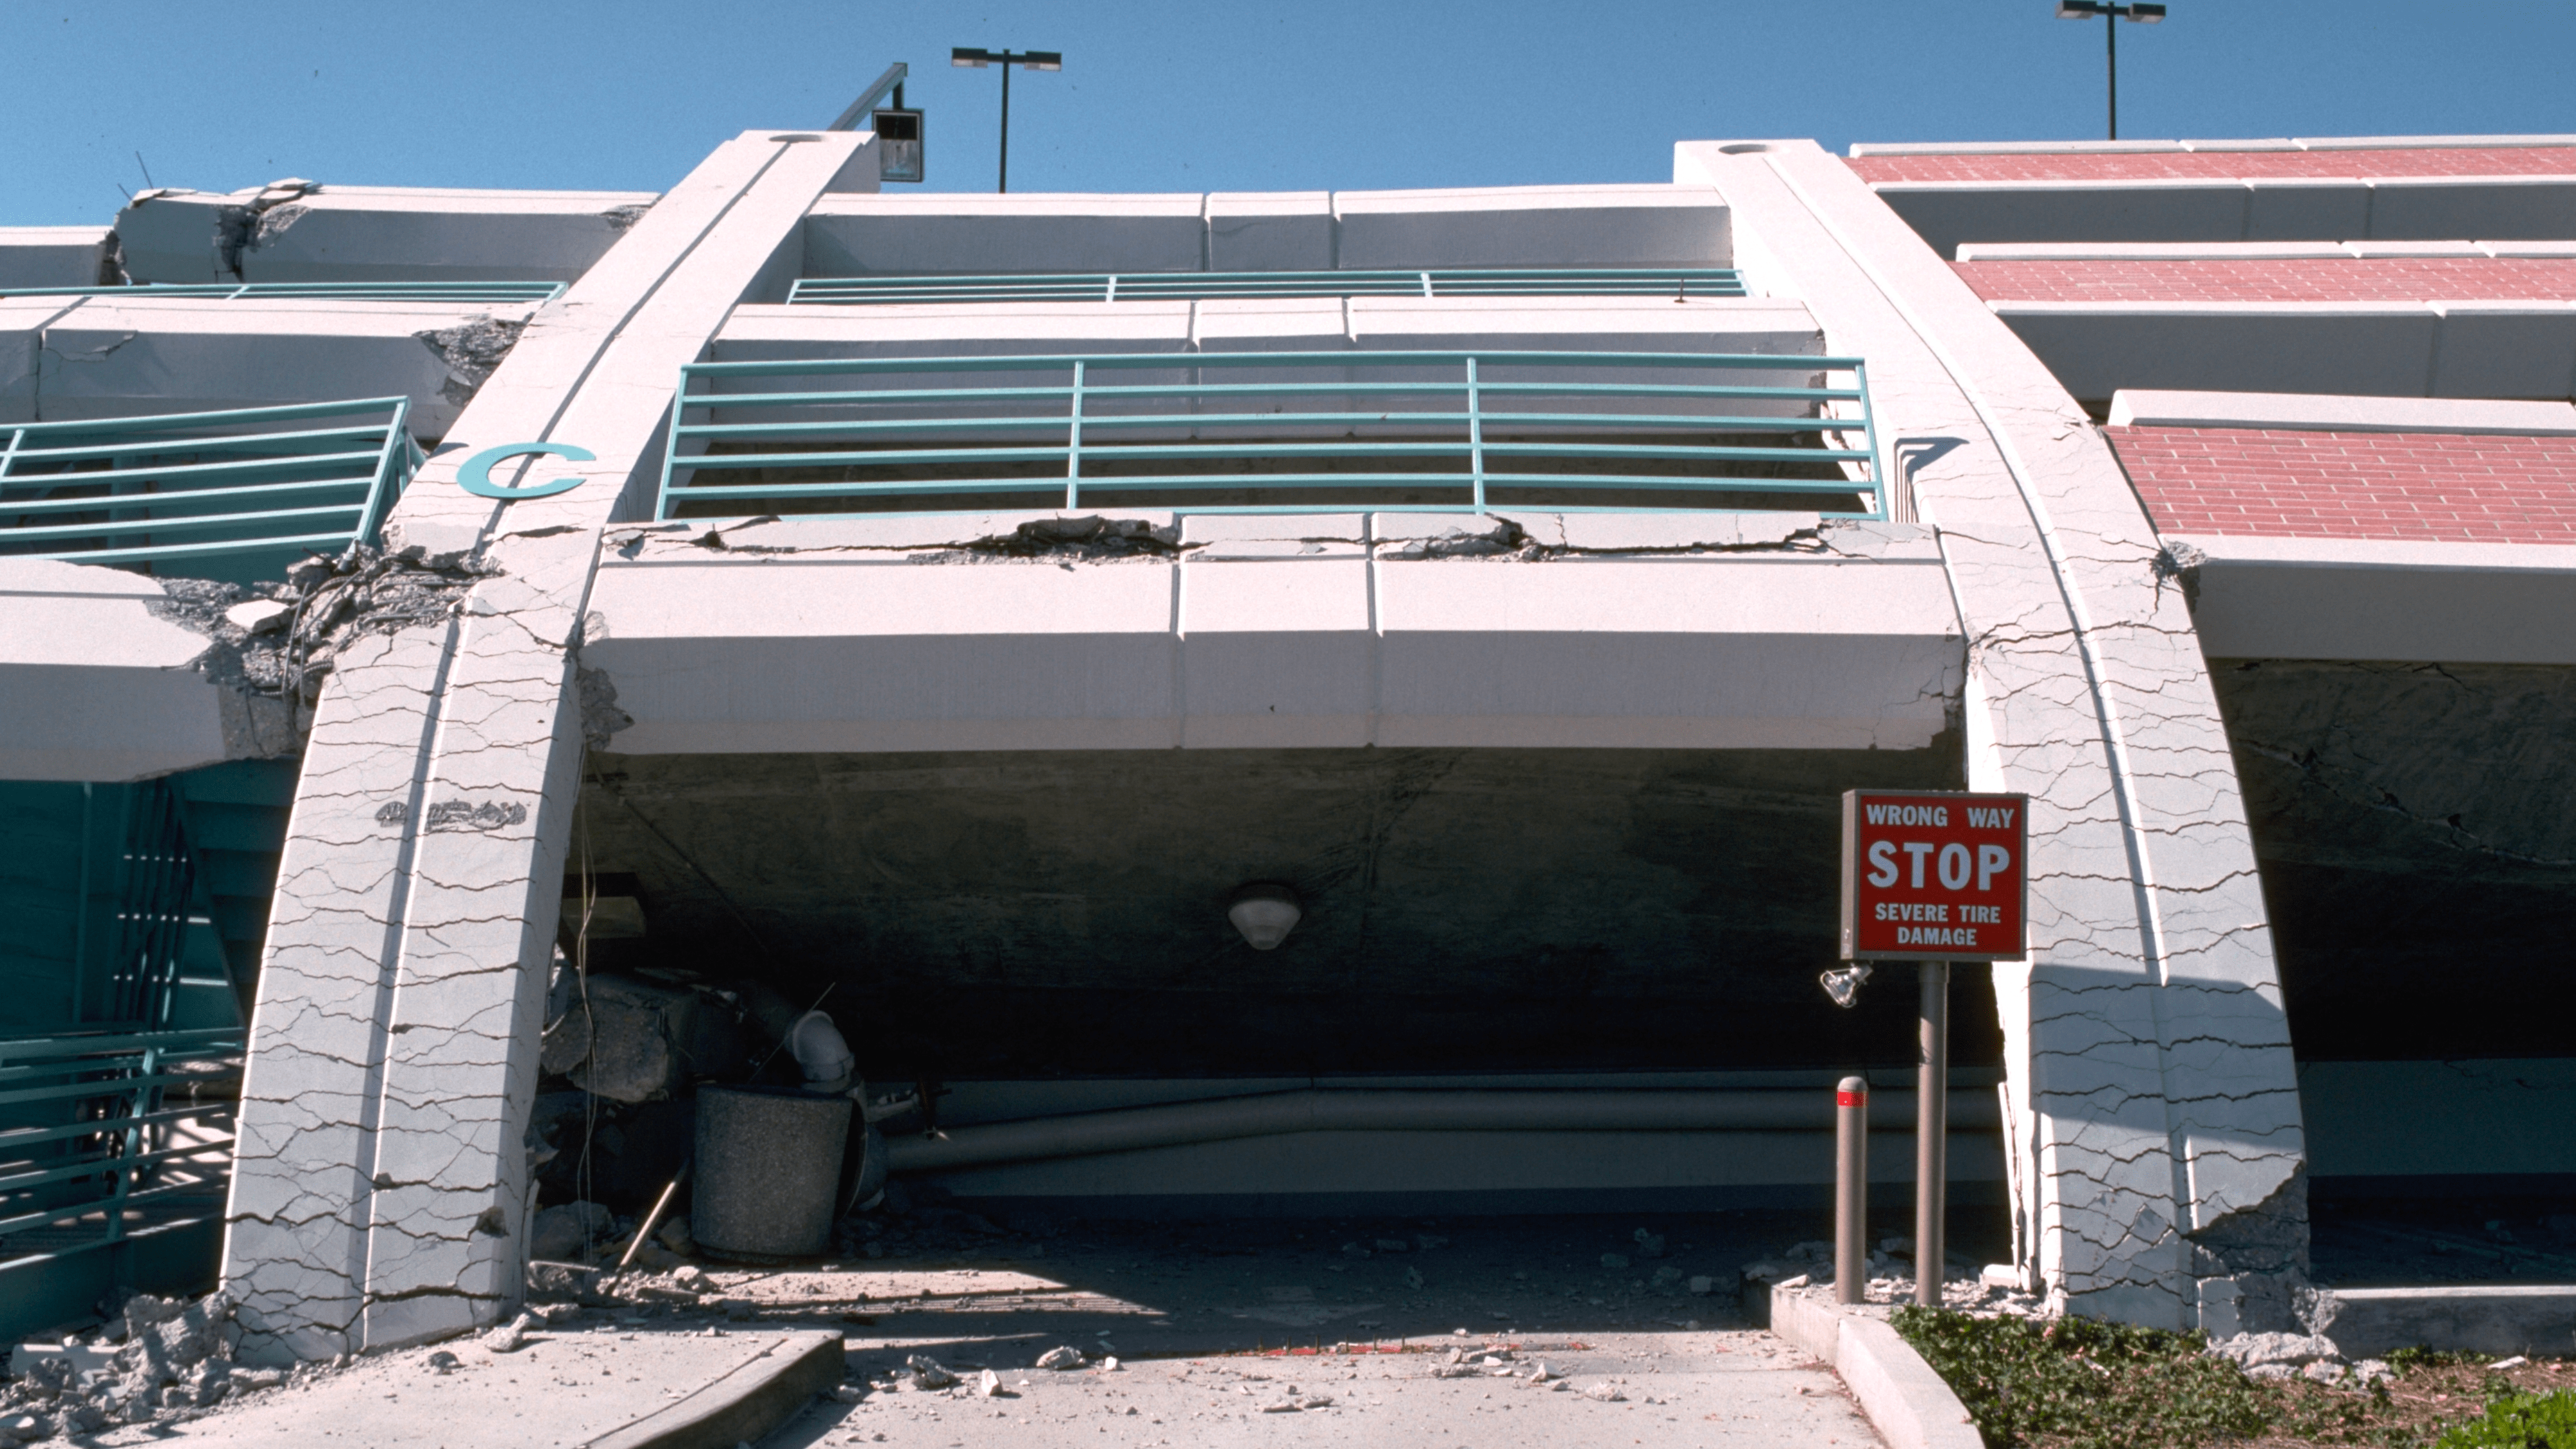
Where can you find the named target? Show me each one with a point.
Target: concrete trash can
(769, 1162)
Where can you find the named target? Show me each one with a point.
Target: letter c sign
(476, 476)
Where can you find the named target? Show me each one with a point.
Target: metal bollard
(1932, 1135)
(1851, 1190)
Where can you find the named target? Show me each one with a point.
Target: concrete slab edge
(742, 1406)
(2374, 1322)
(2322, 412)
(1905, 1400)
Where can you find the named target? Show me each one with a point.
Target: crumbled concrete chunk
(258, 616)
(929, 1373)
(510, 1337)
(1061, 1358)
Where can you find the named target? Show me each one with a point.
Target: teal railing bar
(719, 435)
(145, 490)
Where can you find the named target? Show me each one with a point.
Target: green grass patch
(2519, 1421)
(2085, 1385)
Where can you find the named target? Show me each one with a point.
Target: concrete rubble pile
(2298, 1355)
(1891, 1278)
(160, 1360)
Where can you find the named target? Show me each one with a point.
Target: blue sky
(1156, 96)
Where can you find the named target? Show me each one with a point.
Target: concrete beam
(52, 256)
(93, 685)
(1947, 213)
(1337, 630)
(2312, 412)
(2134, 147)
(2253, 251)
(300, 232)
(1638, 324)
(2370, 599)
(2386, 349)
(1523, 226)
(1534, 226)
(113, 357)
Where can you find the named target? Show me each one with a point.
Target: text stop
(1933, 876)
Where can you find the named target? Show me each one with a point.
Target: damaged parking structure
(529, 721)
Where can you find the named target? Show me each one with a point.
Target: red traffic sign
(1934, 875)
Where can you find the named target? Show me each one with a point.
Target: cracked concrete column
(380, 1186)
(2155, 1108)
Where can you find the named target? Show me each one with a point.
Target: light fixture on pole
(975, 59)
(2112, 11)
(898, 130)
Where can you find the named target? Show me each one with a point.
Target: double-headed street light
(975, 59)
(2112, 11)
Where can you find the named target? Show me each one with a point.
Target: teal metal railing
(1274, 432)
(470, 293)
(140, 1135)
(256, 487)
(1680, 284)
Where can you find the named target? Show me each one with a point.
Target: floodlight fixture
(977, 58)
(2138, 11)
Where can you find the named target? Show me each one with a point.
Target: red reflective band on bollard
(1851, 1190)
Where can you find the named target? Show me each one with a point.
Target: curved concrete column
(2155, 1117)
(380, 1187)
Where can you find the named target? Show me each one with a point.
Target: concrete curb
(743, 1405)
(1905, 1400)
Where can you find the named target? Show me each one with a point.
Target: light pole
(2110, 11)
(975, 59)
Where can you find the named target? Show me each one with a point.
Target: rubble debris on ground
(2313, 1357)
(1891, 1278)
(171, 1360)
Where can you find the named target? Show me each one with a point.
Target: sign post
(1933, 877)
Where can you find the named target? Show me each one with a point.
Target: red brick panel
(2223, 165)
(2417, 486)
(2325, 279)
